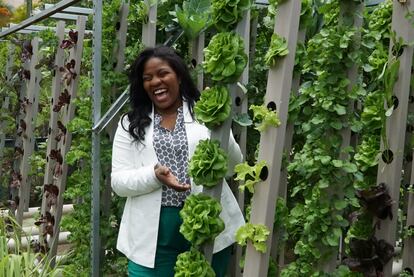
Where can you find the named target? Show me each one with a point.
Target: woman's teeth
(159, 91)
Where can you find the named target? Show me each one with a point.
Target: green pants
(170, 244)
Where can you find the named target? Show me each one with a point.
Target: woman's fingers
(180, 187)
(165, 175)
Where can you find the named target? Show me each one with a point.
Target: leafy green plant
(249, 174)
(142, 11)
(256, 233)
(306, 14)
(201, 220)
(208, 165)
(408, 232)
(361, 227)
(21, 262)
(405, 273)
(265, 116)
(213, 107)
(194, 17)
(193, 263)
(278, 48)
(224, 57)
(320, 178)
(227, 13)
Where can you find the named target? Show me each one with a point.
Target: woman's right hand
(165, 175)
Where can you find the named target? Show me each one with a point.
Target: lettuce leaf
(278, 48)
(213, 107)
(201, 220)
(194, 17)
(224, 57)
(227, 13)
(266, 117)
(209, 163)
(193, 263)
(249, 174)
(256, 233)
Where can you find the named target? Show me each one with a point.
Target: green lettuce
(213, 107)
(194, 17)
(201, 220)
(266, 117)
(227, 13)
(278, 48)
(192, 263)
(249, 174)
(224, 57)
(209, 163)
(256, 233)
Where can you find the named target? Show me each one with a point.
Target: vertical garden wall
(320, 99)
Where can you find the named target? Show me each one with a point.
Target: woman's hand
(165, 175)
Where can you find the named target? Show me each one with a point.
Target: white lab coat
(133, 177)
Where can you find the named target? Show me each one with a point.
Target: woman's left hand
(165, 175)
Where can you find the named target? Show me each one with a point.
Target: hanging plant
(264, 117)
(64, 99)
(377, 201)
(251, 175)
(51, 191)
(214, 106)
(193, 263)
(194, 17)
(224, 57)
(369, 256)
(208, 165)
(69, 72)
(256, 233)
(278, 48)
(71, 42)
(48, 220)
(227, 13)
(16, 180)
(27, 51)
(201, 220)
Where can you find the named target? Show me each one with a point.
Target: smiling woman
(152, 148)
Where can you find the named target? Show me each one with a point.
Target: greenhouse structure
(318, 94)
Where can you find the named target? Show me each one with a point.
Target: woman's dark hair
(141, 104)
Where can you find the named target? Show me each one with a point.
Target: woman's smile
(162, 85)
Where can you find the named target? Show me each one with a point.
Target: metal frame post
(53, 129)
(276, 248)
(149, 29)
(390, 173)
(31, 104)
(272, 141)
(240, 105)
(96, 150)
(408, 242)
(65, 141)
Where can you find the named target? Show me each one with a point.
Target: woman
(151, 150)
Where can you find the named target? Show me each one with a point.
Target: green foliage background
(313, 217)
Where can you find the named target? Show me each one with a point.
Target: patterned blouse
(171, 148)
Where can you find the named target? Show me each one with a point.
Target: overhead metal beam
(63, 16)
(74, 10)
(40, 16)
(36, 28)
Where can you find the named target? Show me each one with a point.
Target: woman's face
(162, 85)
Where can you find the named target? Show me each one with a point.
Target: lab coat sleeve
(235, 155)
(127, 178)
